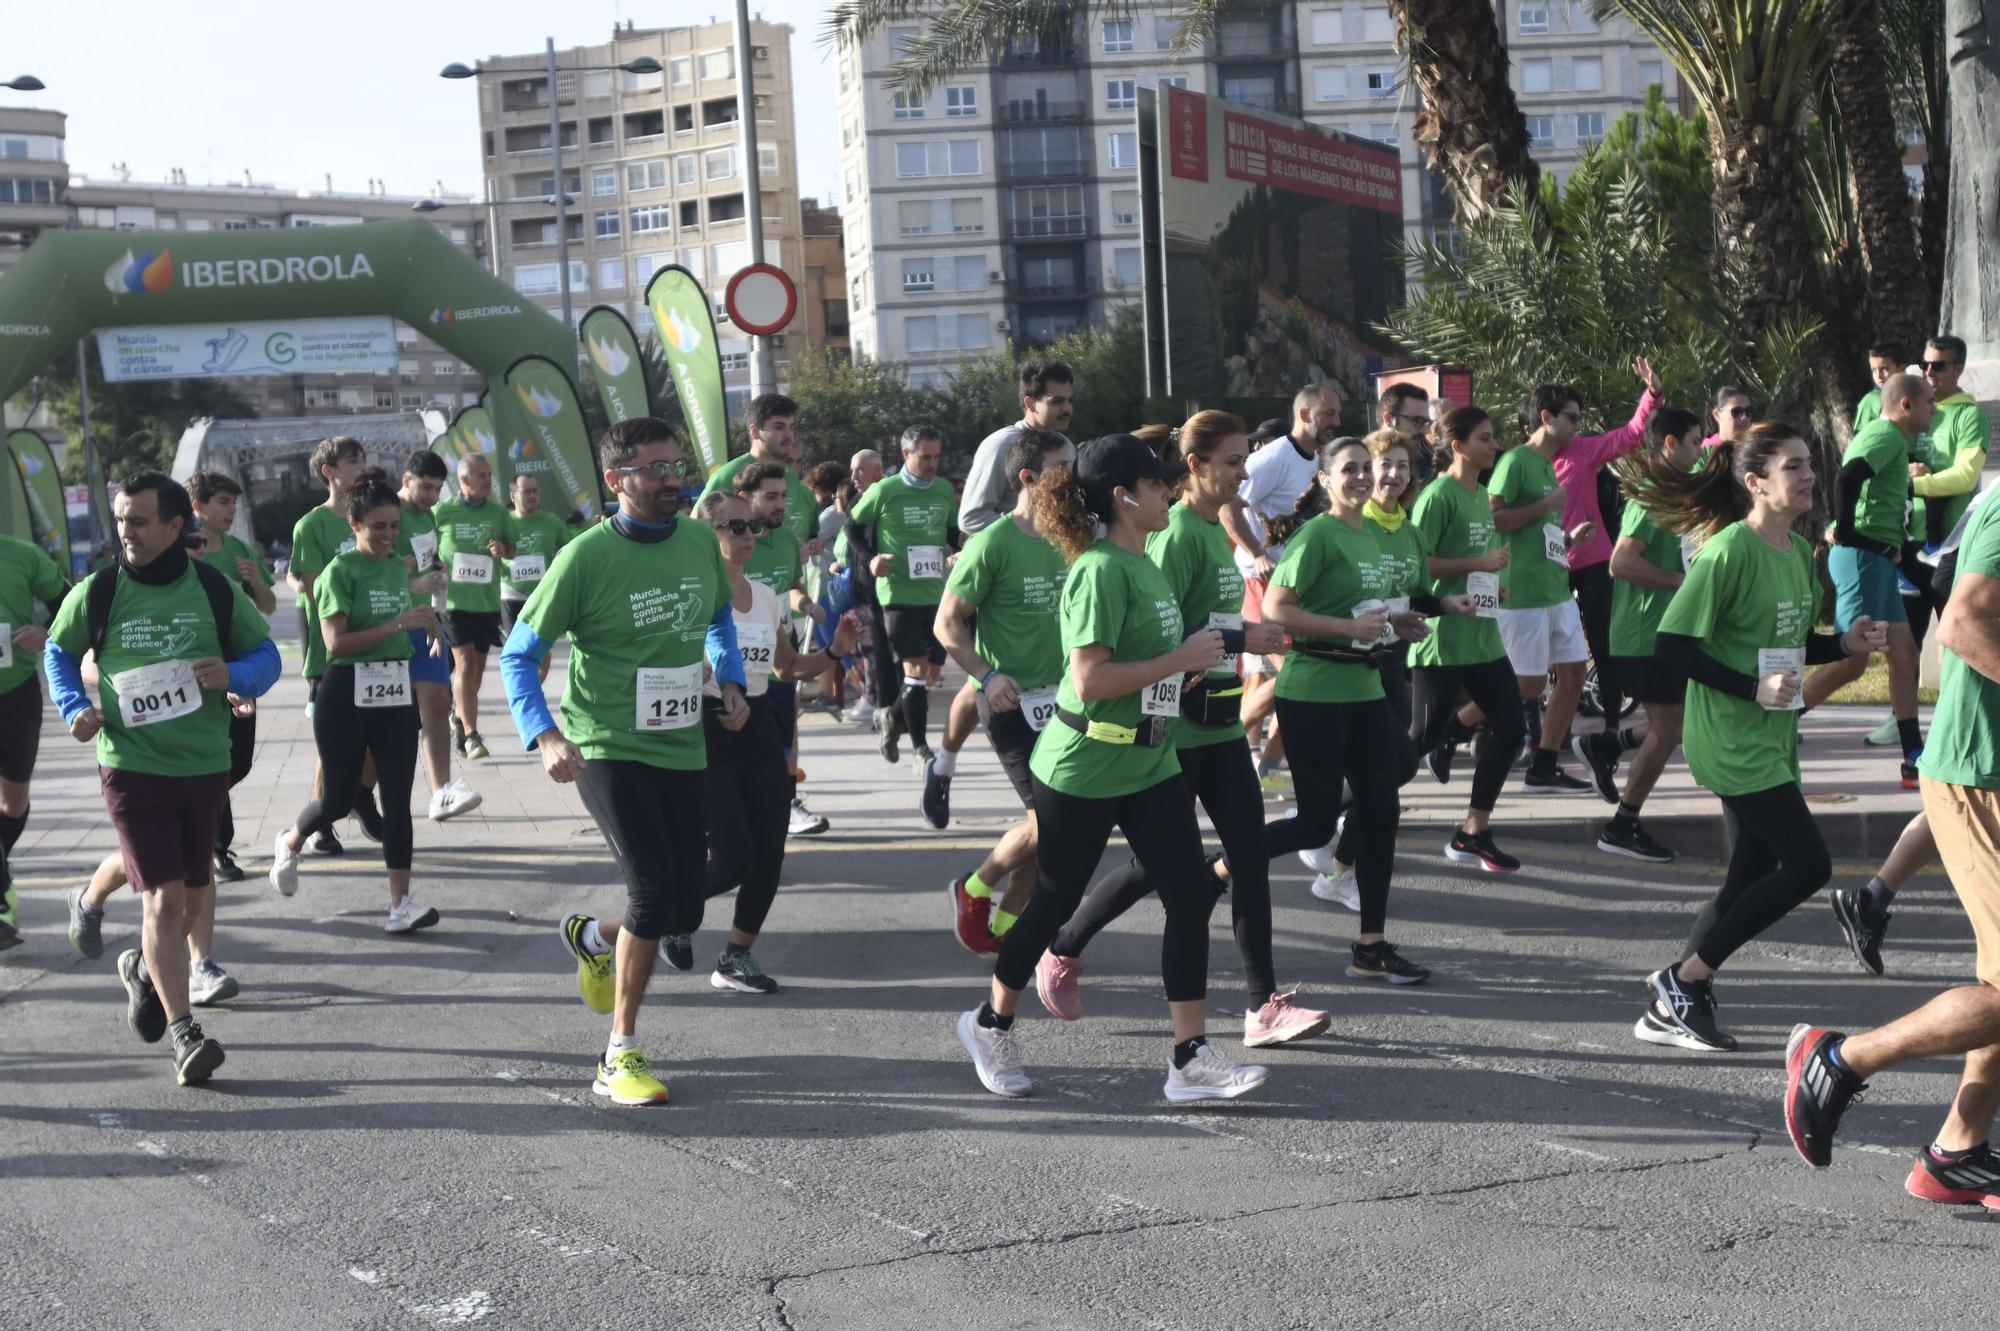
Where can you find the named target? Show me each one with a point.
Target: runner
(1740, 630)
(1732, 416)
(172, 639)
(216, 499)
(535, 535)
(317, 538)
(1193, 557)
(636, 596)
(472, 537)
(366, 708)
(1649, 565)
(1108, 761)
(430, 662)
(999, 619)
(878, 660)
(27, 576)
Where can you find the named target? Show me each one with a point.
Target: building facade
(823, 296)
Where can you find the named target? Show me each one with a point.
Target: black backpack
(103, 586)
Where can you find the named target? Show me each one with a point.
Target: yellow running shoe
(627, 1082)
(593, 973)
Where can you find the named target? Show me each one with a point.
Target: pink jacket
(1576, 469)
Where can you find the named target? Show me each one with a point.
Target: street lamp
(645, 64)
(25, 83)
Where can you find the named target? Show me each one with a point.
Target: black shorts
(1647, 679)
(655, 820)
(510, 610)
(474, 630)
(913, 633)
(20, 729)
(1013, 742)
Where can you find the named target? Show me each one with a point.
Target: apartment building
(823, 297)
(1006, 203)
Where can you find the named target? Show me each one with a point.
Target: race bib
(668, 697)
(759, 645)
(1361, 608)
(148, 695)
(468, 567)
(1162, 697)
(1038, 707)
(1484, 589)
(381, 683)
(527, 568)
(1553, 544)
(6, 646)
(347, 545)
(424, 549)
(1218, 620)
(1690, 547)
(1784, 660)
(926, 561)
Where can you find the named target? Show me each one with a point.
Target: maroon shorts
(165, 824)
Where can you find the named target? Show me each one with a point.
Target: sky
(351, 90)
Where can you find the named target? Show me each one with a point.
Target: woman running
(1194, 556)
(1740, 629)
(1108, 761)
(365, 707)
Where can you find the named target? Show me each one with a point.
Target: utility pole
(762, 378)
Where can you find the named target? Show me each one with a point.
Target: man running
(472, 540)
(778, 562)
(640, 598)
(536, 535)
(317, 538)
(27, 576)
(430, 661)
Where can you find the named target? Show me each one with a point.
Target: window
(603, 131)
(685, 171)
(643, 125)
(1118, 35)
(968, 216)
(719, 163)
(652, 217)
(852, 187)
(444, 368)
(1125, 265)
(645, 265)
(767, 159)
(1381, 82)
(917, 275)
(962, 100)
(946, 332)
(678, 71)
(1537, 75)
(691, 213)
(958, 157)
(902, 106)
(734, 355)
(603, 181)
(597, 84)
(1377, 25)
(1580, 19)
(21, 190)
(1541, 131)
(1589, 128)
(610, 274)
(385, 398)
(1125, 207)
(1329, 84)
(534, 279)
(913, 217)
(726, 258)
(1124, 151)
(1049, 211)
(606, 224)
(1651, 72)
(1327, 27)
(1120, 94)
(968, 273)
(645, 175)
(1163, 33)
(1174, 81)
(725, 208)
(633, 82)
(1587, 74)
(407, 401)
(1534, 20)
(717, 65)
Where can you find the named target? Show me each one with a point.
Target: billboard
(351, 344)
(1268, 249)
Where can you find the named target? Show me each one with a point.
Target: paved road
(404, 1136)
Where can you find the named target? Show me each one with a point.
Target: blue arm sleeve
(65, 674)
(252, 676)
(520, 662)
(723, 657)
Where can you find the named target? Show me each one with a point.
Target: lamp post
(24, 83)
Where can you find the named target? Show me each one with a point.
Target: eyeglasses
(737, 526)
(659, 471)
(1414, 422)
(1933, 366)
(1740, 413)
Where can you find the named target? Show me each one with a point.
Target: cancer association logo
(537, 402)
(608, 356)
(144, 273)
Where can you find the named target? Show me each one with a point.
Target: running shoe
(1909, 776)
(1616, 838)
(457, 735)
(677, 950)
(624, 1079)
(1055, 984)
(326, 843)
(227, 870)
(1438, 763)
(209, 984)
(1602, 760)
(971, 920)
(1276, 782)
(890, 727)
(284, 867)
(1976, 1178)
(143, 1012)
(593, 973)
(1682, 1014)
(923, 754)
(996, 1056)
(10, 933)
(862, 713)
(1338, 887)
(1817, 1092)
(1281, 1021)
(937, 796)
(1381, 961)
(368, 815)
(804, 822)
(1320, 858)
(453, 798)
(86, 926)
(1210, 1075)
(1863, 931)
(196, 1056)
(737, 970)
(475, 747)
(406, 916)
(1882, 736)
(1553, 782)
(1479, 848)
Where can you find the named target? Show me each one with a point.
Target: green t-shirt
(1963, 748)
(27, 575)
(1456, 522)
(541, 534)
(317, 539)
(1402, 555)
(1200, 568)
(224, 560)
(463, 533)
(801, 505)
(1868, 410)
(1958, 426)
(1332, 567)
(147, 626)
(1016, 580)
(628, 605)
(1878, 514)
(1636, 610)
(775, 561)
(1741, 596)
(912, 526)
(1532, 578)
(369, 592)
(417, 539)
(1120, 600)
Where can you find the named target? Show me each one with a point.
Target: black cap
(1121, 459)
(1275, 428)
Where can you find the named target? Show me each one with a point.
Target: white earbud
(1128, 501)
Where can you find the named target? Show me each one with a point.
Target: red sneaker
(969, 916)
(1973, 1179)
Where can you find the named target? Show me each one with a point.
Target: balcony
(524, 95)
(1044, 170)
(1042, 113)
(1052, 288)
(1049, 53)
(1280, 103)
(1046, 228)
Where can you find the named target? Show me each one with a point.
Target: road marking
(1560, 1149)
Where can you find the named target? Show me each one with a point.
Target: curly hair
(1067, 512)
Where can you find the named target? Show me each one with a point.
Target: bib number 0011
(151, 694)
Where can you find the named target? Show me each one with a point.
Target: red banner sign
(1187, 134)
(1264, 152)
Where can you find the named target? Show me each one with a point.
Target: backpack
(103, 586)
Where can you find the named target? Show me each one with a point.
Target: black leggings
(882, 656)
(1777, 859)
(1592, 586)
(1328, 742)
(1495, 691)
(242, 747)
(655, 820)
(1396, 685)
(1224, 779)
(1071, 832)
(750, 788)
(347, 736)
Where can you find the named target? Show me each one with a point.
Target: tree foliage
(135, 425)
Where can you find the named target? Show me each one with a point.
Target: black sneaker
(937, 797)
(457, 735)
(1910, 776)
(143, 1012)
(1682, 1014)
(1616, 838)
(1602, 760)
(326, 843)
(1864, 931)
(1553, 782)
(890, 727)
(678, 951)
(1438, 762)
(368, 815)
(195, 1056)
(1381, 961)
(1975, 1178)
(1817, 1092)
(739, 971)
(1478, 848)
(227, 870)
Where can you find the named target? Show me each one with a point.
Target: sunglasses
(1739, 413)
(739, 526)
(1933, 366)
(659, 471)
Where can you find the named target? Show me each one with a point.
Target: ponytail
(1704, 501)
(1311, 504)
(1065, 513)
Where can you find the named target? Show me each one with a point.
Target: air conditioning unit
(760, 53)
(996, 275)
(777, 339)
(1002, 325)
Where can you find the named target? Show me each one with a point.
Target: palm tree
(1913, 54)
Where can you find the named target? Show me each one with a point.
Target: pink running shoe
(1055, 981)
(1281, 1021)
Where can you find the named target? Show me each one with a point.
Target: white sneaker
(862, 713)
(208, 983)
(1338, 887)
(1320, 860)
(452, 799)
(996, 1057)
(284, 867)
(804, 821)
(406, 916)
(1209, 1075)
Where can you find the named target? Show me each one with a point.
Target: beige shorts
(1965, 820)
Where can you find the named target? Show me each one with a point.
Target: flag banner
(615, 359)
(556, 447)
(686, 326)
(42, 489)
